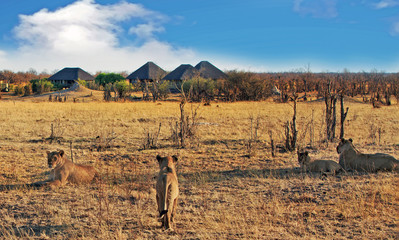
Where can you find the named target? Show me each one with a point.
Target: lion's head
(303, 157)
(54, 158)
(166, 161)
(344, 145)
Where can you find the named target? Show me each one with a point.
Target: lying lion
(351, 159)
(322, 166)
(64, 171)
(167, 189)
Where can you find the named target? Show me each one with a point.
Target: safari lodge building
(68, 76)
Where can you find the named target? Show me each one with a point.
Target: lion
(327, 167)
(167, 188)
(352, 159)
(63, 171)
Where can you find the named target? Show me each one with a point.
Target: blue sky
(252, 35)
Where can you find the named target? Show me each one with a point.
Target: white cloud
(316, 8)
(87, 34)
(146, 31)
(395, 29)
(386, 4)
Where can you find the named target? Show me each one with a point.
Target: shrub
(40, 86)
(105, 78)
(164, 89)
(200, 89)
(107, 92)
(82, 82)
(94, 86)
(28, 89)
(159, 90)
(19, 90)
(244, 86)
(122, 89)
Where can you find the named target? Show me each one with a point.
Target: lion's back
(324, 166)
(82, 174)
(375, 162)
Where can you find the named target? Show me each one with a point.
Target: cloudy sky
(251, 35)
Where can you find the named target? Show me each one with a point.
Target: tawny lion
(322, 166)
(352, 159)
(64, 171)
(167, 189)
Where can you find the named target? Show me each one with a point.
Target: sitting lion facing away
(63, 171)
(322, 166)
(167, 189)
(352, 159)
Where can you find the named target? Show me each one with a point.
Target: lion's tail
(165, 200)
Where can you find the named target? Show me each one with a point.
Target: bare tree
(291, 132)
(330, 99)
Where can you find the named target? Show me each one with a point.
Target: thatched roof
(207, 70)
(182, 72)
(149, 71)
(71, 74)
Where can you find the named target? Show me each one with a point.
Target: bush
(122, 89)
(105, 78)
(94, 86)
(107, 92)
(19, 90)
(199, 89)
(82, 82)
(40, 86)
(28, 89)
(164, 89)
(244, 86)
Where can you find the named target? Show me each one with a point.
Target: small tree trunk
(182, 124)
(70, 144)
(272, 143)
(334, 119)
(287, 136)
(343, 116)
(293, 128)
(331, 117)
(155, 93)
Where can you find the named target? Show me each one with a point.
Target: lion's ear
(350, 140)
(48, 152)
(159, 158)
(342, 139)
(174, 158)
(61, 152)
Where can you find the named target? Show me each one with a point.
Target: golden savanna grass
(224, 193)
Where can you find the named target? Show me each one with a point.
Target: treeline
(374, 87)
(20, 78)
(35, 86)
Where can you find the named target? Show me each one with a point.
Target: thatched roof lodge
(182, 72)
(207, 70)
(67, 76)
(148, 72)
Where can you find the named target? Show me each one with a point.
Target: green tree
(122, 88)
(163, 89)
(107, 92)
(28, 89)
(105, 78)
(41, 86)
(199, 89)
(19, 90)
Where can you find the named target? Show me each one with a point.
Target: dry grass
(224, 194)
